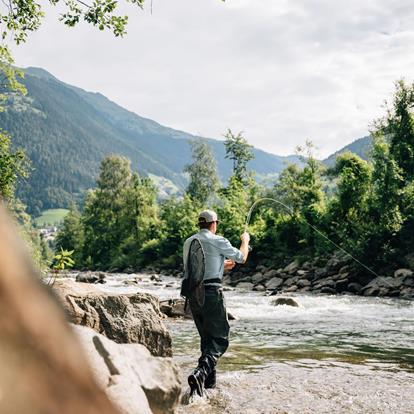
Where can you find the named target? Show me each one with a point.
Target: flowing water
(332, 354)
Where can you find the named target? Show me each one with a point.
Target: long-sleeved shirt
(216, 250)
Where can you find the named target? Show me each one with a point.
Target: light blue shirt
(216, 250)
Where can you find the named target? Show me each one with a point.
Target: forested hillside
(360, 147)
(66, 132)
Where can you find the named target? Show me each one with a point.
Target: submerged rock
(134, 380)
(125, 318)
(285, 301)
(91, 277)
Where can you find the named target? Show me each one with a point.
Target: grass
(51, 217)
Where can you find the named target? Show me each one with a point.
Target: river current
(332, 354)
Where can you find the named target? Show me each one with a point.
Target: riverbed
(332, 354)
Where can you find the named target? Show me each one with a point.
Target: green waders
(212, 323)
(213, 326)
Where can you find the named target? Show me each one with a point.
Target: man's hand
(229, 264)
(245, 237)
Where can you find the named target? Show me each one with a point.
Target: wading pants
(212, 323)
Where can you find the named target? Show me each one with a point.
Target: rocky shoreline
(338, 276)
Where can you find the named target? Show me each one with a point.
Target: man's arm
(244, 247)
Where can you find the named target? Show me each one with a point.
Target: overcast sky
(282, 71)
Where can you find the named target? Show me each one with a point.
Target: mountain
(361, 147)
(66, 131)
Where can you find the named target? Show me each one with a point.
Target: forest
(366, 207)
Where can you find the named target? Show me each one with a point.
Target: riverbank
(332, 354)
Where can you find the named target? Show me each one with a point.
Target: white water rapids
(332, 354)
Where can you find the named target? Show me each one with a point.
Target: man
(211, 318)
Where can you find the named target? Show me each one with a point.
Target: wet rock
(274, 283)
(174, 308)
(354, 287)
(270, 274)
(341, 285)
(328, 290)
(403, 272)
(320, 273)
(245, 285)
(344, 270)
(155, 278)
(334, 263)
(259, 288)
(90, 277)
(303, 283)
(292, 288)
(409, 281)
(285, 301)
(292, 267)
(291, 281)
(133, 379)
(132, 318)
(302, 273)
(258, 278)
(371, 291)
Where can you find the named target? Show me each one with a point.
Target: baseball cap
(207, 216)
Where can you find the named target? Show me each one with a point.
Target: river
(332, 354)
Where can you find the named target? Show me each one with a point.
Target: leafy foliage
(204, 180)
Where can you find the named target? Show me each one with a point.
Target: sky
(281, 71)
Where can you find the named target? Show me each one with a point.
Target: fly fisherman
(208, 255)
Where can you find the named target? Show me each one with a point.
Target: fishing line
(315, 229)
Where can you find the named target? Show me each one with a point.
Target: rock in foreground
(134, 380)
(133, 318)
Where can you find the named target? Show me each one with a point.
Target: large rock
(134, 380)
(285, 301)
(292, 267)
(132, 318)
(274, 283)
(90, 277)
(403, 272)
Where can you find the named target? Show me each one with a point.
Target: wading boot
(210, 381)
(196, 380)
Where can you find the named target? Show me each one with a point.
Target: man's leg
(216, 330)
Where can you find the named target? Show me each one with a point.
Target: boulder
(258, 278)
(134, 380)
(259, 288)
(302, 272)
(285, 301)
(320, 273)
(341, 285)
(291, 281)
(274, 283)
(328, 290)
(90, 277)
(174, 308)
(303, 283)
(245, 285)
(292, 288)
(269, 274)
(292, 267)
(403, 272)
(125, 318)
(354, 287)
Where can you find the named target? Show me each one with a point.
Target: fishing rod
(249, 214)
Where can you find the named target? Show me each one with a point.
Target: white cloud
(280, 70)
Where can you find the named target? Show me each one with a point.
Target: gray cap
(207, 216)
